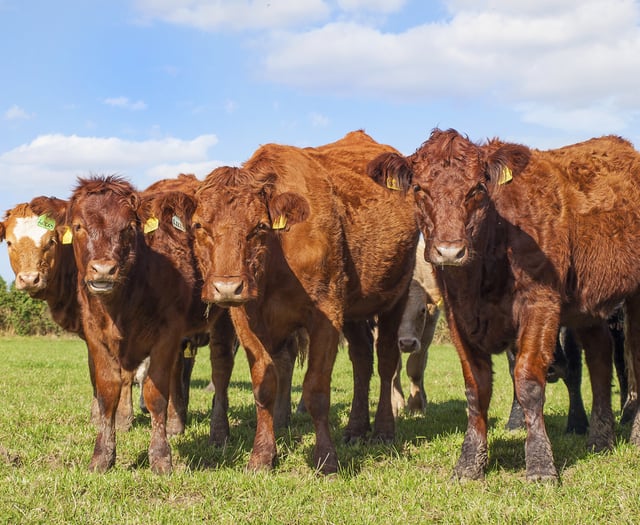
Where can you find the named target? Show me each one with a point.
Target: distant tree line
(22, 315)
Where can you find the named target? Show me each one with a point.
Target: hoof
(161, 465)
(101, 464)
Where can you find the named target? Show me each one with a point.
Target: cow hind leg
(359, 337)
(388, 355)
(222, 345)
(577, 421)
(632, 350)
(516, 415)
(177, 406)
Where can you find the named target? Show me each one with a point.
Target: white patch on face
(28, 227)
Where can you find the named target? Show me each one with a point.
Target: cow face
(32, 243)
(451, 195)
(106, 232)
(236, 220)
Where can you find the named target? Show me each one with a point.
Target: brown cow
(136, 301)
(45, 269)
(303, 238)
(523, 241)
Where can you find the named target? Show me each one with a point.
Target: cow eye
(8, 244)
(478, 191)
(196, 226)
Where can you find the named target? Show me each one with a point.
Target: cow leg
(577, 421)
(108, 386)
(359, 337)
(632, 351)
(598, 349)
(616, 328)
(416, 365)
(397, 395)
(222, 345)
(95, 407)
(536, 342)
(477, 373)
(516, 416)
(284, 359)
(316, 390)
(157, 389)
(264, 380)
(124, 413)
(177, 407)
(388, 354)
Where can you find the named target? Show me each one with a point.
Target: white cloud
(50, 164)
(235, 14)
(125, 103)
(17, 113)
(383, 6)
(572, 55)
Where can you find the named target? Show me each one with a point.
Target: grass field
(46, 442)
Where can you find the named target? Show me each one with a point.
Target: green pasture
(46, 442)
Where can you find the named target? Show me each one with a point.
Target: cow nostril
(461, 253)
(239, 289)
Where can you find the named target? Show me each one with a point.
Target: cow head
(238, 216)
(454, 181)
(107, 234)
(33, 245)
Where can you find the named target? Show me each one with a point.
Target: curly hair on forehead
(103, 184)
(233, 180)
(446, 148)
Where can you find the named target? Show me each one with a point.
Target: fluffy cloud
(50, 164)
(571, 57)
(125, 103)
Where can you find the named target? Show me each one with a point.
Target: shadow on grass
(506, 448)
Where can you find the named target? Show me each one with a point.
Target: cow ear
(392, 171)
(507, 162)
(51, 206)
(286, 209)
(3, 231)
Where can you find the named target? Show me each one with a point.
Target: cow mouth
(100, 287)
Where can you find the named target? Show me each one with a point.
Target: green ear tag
(46, 222)
(505, 176)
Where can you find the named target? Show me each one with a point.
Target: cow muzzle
(408, 344)
(226, 292)
(101, 277)
(448, 253)
(30, 282)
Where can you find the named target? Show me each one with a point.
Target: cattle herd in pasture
(532, 252)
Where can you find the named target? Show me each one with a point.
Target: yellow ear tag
(151, 225)
(392, 183)
(67, 236)
(279, 223)
(505, 176)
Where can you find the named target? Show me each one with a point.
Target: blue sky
(151, 88)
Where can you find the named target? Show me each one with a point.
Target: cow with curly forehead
(524, 241)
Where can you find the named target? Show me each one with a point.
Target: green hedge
(22, 315)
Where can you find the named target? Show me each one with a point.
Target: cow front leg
(108, 386)
(536, 343)
(264, 381)
(477, 372)
(323, 347)
(416, 365)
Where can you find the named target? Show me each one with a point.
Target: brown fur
(515, 260)
(136, 300)
(344, 254)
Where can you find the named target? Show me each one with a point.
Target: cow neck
(61, 292)
(488, 271)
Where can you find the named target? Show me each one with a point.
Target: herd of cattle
(299, 246)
